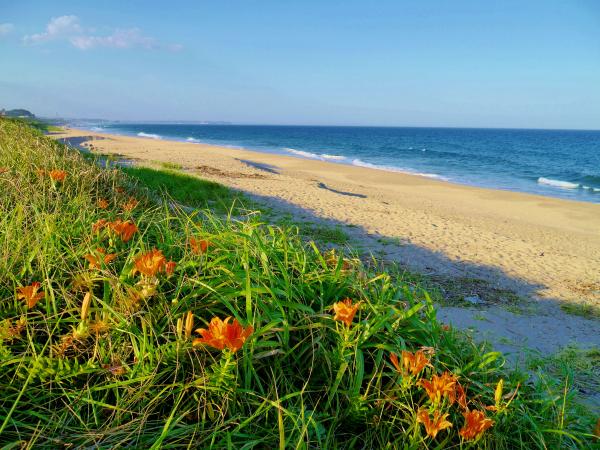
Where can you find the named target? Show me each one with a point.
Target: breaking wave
(310, 155)
(360, 163)
(149, 135)
(558, 183)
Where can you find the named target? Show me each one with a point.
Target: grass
(106, 358)
(321, 233)
(579, 367)
(581, 309)
(386, 240)
(43, 126)
(171, 165)
(186, 189)
(326, 233)
(455, 290)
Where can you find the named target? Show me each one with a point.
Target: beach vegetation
(579, 367)
(188, 190)
(171, 165)
(44, 126)
(391, 240)
(455, 291)
(586, 310)
(321, 232)
(209, 327)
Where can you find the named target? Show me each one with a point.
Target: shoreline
(537, 246)
(291, 152)
(555, 185)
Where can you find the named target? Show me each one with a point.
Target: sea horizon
(74, 120)
(553, 163)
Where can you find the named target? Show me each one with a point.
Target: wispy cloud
(68, 28)
(118, 39)
(58, 28)
(6, 28)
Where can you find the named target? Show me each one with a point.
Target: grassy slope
(127, 376)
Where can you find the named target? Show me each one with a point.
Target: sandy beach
(536, 246)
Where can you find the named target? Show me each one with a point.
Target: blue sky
(533, 63)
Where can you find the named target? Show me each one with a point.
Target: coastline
(539, 247)
(290, 152)
(424, 154)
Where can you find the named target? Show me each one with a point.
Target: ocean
(555, 163)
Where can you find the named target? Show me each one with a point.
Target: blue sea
(556, 163)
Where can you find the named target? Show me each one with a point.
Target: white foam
(333, 157)
(593, 189)
(191, 139)
(96, 129)
(302, 153)
(557, 183)
(149, 135)
(310, 155)
(360, 163)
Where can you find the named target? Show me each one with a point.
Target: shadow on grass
(515, 307)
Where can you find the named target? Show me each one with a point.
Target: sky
(459, 63)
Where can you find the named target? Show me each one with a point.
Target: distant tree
(19, 113)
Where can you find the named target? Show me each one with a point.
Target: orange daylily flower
(345, 311)
(102, 203)
(30, 294)
(130, 205)
(125, 230)
(100, 256)
(120, 190)
(150, 263)
(221, 334)
(100, 224)
(459, 395)
(170, 267)
(199, 246)
(3, 170)
(435, 425)
(58, 175)
(411, 362)
(440, 386)
(475, 424)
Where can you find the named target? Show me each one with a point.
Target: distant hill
(17, 113)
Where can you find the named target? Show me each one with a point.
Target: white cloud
(118, 39)
(58, 27)
(68, 28)
(6, 28)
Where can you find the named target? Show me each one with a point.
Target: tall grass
(103, 360)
